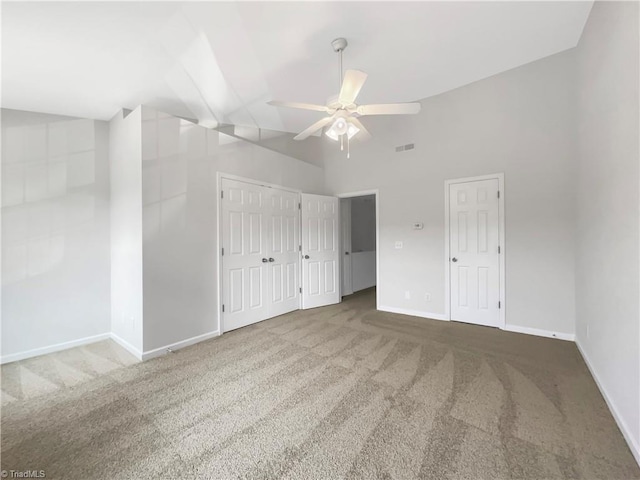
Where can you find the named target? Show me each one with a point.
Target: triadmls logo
(23, 474)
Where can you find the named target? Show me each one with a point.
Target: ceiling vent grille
(408, 146)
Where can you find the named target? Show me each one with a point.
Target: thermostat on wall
(418, 226)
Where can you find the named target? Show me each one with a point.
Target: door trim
(229, 176)
(503, 246)
(362, 193)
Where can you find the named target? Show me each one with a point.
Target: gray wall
(608, 314)
(520, 122)
(55, 231)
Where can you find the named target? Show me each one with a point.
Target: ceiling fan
(342, 110)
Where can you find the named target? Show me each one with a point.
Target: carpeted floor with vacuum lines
(337, 392)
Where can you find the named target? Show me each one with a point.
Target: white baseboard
(540, 333)
(36, 352)
(633, 445)
(414, 313)
(157, 352)
(127, 346)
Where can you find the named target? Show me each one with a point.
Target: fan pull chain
(348, 143)
(341, 143)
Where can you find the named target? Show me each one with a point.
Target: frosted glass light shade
(341, 127)
(331, 133)
(352, 130)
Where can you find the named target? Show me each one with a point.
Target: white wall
(519, 122)
(608, 313)
(126, 229)
(179, 179)
(55, 232)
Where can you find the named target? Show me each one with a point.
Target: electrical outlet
(427, 297)
(407, 295)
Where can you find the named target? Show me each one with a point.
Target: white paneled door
(260, 258)
(284, 254)
(474, 236)
(320, 251)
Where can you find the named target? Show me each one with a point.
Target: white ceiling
(220, 62)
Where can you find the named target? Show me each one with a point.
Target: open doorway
(358, 217)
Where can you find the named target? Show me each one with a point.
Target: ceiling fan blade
(351, 85)
(302, 106)
(389, 109)
(313, 128)
(363, 134)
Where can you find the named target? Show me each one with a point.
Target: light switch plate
(399, 245)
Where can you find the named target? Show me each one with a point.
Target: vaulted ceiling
(220, 62)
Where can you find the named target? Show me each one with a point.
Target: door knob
(346, 253)
(306, 257)
(264, 260)
(454, 259)
(271, 259)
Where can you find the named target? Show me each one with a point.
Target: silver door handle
(454, 259)
(306, 257)
(271, 259)
(264, 260)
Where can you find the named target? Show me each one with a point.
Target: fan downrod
(339, 44)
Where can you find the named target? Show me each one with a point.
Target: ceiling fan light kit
(343, 111)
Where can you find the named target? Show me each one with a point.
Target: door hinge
(499, 304)
(498, 248)
(222, 307)
(223, 252)
(299, 206)
(221, 193)
(300, 289)
(498, 193)
(299, 248)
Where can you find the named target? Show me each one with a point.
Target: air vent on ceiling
(402, 148)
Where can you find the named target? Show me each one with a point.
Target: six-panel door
(320, 250)
(473, 250)
(284, 251)
(244, 255)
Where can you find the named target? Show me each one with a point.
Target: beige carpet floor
(337, 392)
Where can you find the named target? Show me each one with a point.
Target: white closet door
(283, 249)
(244, 257)
(320, 250)
(474, 237)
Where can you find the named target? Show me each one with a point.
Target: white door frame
(503, 247)
(346, 281)
(229, 176)
(362, 193)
